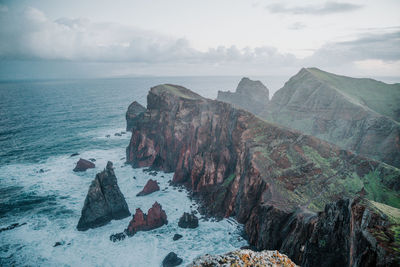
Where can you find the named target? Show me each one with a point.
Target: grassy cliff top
(381, 97)
(175, 90)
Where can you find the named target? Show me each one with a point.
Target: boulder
(117, 237)
(171, 260)
(188, 221)
(177, 237)
(104, 201)
(83, 164)
(156, 217)
(150, 187)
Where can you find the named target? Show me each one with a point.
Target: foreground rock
(156, 217)
(150, 187)
(104, 201)
(250, 95)
(281, 184)
(188, 221)
(171, 260)
(83, 164)
(244, 258)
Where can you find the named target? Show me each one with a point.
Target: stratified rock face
(132, 114)
(104, 201)
(156, 217)
(150, 187)
(361, 115)
(250, 95)
(188, 221)
(83, 164)
(244, 167)
(244, 258)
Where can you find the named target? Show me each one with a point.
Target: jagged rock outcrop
(150, 187)
(156, 217)
(104, 201)
(272, 179)
(244, 258)
(361, 115)
(83, 164)
(250, 95)
(132, 114)
(188, 220)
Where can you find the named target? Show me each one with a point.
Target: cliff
(289, 189)
(361, 115)
(250, 95)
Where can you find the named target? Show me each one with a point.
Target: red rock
(150, 187)
(155, 218)
(83, 164)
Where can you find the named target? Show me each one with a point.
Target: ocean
(41, 124)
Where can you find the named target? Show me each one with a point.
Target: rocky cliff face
(250, 95)
(360, 115)
(280, 183)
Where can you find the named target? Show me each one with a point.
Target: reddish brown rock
(150, 187)
(156, 217)
(83, 164)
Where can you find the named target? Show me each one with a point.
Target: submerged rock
(244, 258)
(83, 164)
(59, 243)
(104, 201)
(156, 217)
(117, 237)
(74, 154)
(12, 226)
(150, 187)
(117, 134)
(188, 221)
(171, 260)
(177, 237)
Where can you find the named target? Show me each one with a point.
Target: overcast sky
(104, 38)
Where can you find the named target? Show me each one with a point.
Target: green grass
(378, 192)
(178, 91)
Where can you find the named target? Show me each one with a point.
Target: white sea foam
(55, 220)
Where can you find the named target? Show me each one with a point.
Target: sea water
(41, 124)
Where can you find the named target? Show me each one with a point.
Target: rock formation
(283, 185)
(134, 110)
(171, 260)
(83, 164)
(150, 187)
(250, 95)
(156, 217)
(104, 201)
(188, 221)
(244, 258)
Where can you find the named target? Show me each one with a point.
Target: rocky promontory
(104, 201)
(289, 189)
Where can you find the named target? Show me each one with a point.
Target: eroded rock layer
(276, 181)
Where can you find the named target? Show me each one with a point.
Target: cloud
(329, 7)
(297, 26)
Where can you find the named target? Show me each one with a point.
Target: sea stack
(156, 217)
(83, 164)
(104, 201)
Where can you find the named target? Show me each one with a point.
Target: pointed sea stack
(104, 201)
(156, 217)
(83, 164)
(150, 187)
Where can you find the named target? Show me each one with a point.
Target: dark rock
(156, 217)
(153, 173)
(59, 243)
(74, 154)
(108, 136)
(117, 237)
(171, 260)
(133, 114)
(83, 164)
(117, 134)
(188, 221)
(123, 132)
(150, 187)
(92, 159)
(12, 226)
(134, 177)
(104, 201)
(177, 237)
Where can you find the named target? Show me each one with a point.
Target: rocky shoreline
(289, 189)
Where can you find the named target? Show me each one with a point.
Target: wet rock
(117, 134)
(123, 132)
(12, 226)
(188, 221)
(133, 114)
(74, 154)
(134, 177)
(117, 237)
(83, 164)
(104, 201)
(156, 217)
(177, 237)
(171, 260)
(92, 159)
(150, 187)
(108, 136)
(153, 173)
(59, 243)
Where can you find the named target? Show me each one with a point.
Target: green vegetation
(178, 91)
(378, 192)
(381, 97)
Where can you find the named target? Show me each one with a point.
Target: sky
(123, 38)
